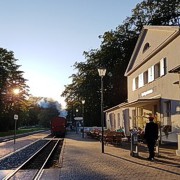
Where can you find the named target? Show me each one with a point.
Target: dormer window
(146, 47)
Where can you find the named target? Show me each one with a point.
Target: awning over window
(175, 70)
(139, 103)
(112, 109)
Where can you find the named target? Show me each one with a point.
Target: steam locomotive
(58, 126)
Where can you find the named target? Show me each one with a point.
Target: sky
(49, 36)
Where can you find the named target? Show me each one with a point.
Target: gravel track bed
(37, 161)
(15, 160)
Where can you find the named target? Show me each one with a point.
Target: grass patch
(20, 131)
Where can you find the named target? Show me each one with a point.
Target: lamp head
(101, 71)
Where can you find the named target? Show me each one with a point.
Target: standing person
(151, 135)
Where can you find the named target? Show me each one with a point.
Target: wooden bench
(109, 137)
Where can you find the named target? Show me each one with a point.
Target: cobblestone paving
(82, 159)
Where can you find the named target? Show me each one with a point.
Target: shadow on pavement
(150, 164)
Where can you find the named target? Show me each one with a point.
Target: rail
(40, 170)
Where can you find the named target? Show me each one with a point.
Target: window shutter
(134, 85)
(151, 74)
(141, 82)
(162, 66)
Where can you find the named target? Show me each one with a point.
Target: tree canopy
(114, 54)
(11, 78)
(29, 109)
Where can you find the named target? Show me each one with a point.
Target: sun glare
(16, 91)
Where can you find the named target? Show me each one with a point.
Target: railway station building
(153, 76)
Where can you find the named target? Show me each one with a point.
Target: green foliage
(29, 111)
(10, 78)
(20, 131)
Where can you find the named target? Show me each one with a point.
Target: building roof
(175, 70)
(113, 108)
(137, 103)
(169, 33)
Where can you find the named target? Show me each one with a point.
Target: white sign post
(15, 118)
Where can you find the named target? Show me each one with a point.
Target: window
(145, 77)
(119, 123)
(168, 108)
(135, 83)
(150, 75)
(146, 47)
(112, 121)
(134, 118)
(167, 112)
(157, 70)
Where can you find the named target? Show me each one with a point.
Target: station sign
(15, 117)
(78, 118)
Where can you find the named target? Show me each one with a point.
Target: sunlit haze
(48, 37)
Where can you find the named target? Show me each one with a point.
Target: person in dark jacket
(151, 135)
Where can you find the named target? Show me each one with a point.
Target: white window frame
(134, 84)
(162, 66)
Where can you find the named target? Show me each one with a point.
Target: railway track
(33, 167)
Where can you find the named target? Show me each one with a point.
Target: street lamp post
(83, 102)
(102, 72)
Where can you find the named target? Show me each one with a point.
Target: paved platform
(82, 159)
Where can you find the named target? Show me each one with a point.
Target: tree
(10, 78)
(114, 54)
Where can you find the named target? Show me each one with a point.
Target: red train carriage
(58, 126)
